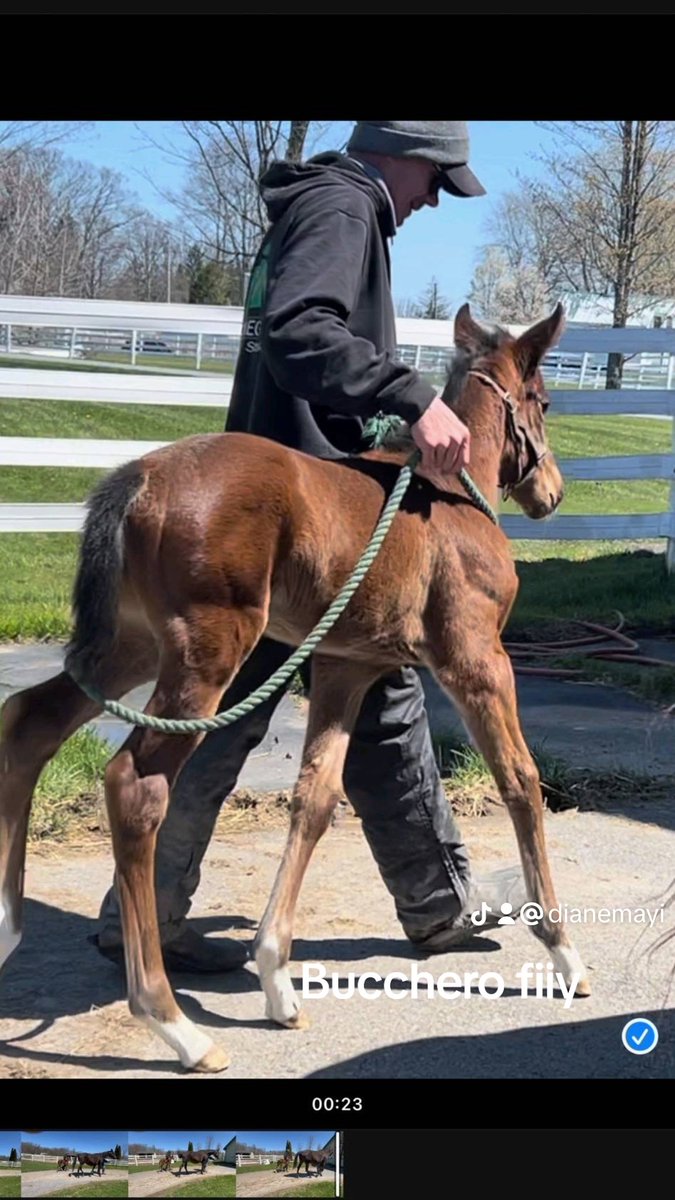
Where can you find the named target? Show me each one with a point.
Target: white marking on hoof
(186, 1039)
(282, 1005)
(9, 936)
(567, 961)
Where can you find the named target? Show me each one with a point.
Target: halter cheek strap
(524, 446)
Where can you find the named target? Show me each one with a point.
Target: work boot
(189, 952)
(496, 900)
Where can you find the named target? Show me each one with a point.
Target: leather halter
(526, 451)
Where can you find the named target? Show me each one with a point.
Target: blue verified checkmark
(640, 1035)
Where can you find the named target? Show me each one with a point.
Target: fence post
(9, 339)
(71, 352)
(198, 356)
(133, 347)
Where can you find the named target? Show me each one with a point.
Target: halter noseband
(524, 446)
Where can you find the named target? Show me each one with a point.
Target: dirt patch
(150, 1183)
(270, 1183)
(64, 1015)
(42, 1183)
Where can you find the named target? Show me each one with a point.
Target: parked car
(149, 346)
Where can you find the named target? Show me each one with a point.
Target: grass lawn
(101, 1187)
(213, 1185)
(144, 1167)
(559, 580)
(10, 1184)
(180, 362)
(37, 1166)
(108, 361)
(320, 1187)
(248, 1167)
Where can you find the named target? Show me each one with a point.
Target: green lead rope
(379, 428)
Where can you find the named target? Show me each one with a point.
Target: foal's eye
(541, 398)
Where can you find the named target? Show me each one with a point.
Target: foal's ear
(468, 334)
(531, 346)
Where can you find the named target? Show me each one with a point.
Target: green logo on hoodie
(257, 287)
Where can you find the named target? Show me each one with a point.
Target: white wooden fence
(259, 1159)
(654, 347)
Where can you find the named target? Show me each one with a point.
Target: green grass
(180, 362)
(19, 361)
(36, 579)
(144, 1167)
(213, 1185)
(469, 784)
(69, 792)
(320, 1187)
(558, 579)
(11, 1185)
(107, 361)
(102, 1187)
(656, 683)
(79, 419)
(563, 588)
(28, 1165)
(248, 1167)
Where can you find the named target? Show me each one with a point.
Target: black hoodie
(318, 348)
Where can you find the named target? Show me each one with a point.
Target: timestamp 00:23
(337, 1104)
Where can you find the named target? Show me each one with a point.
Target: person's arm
(305, 340)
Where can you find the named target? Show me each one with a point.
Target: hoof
(213, 1061)
(583, 988)
(299, 1021)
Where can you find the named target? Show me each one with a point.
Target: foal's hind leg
(35, 723)
(196, 668)
(337, 693)
(484, 689)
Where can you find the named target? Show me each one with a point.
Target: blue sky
(177, 1139)
(7, 1140)
(444, 242)
(300, 1140)
(88, 1142)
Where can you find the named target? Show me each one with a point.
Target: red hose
(602, 633)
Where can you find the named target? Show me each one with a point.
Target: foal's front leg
(337, 693)
(482, 685)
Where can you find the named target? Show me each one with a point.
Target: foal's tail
(99, 572)
(296, 1160)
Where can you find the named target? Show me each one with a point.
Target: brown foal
(192, 552)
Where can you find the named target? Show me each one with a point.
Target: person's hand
(444, 440)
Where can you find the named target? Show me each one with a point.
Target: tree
(405, 307)
(208, 282)
(64, 225)
(190, 1148)
(150, 256)
(507, 294)
(12, 1155)
(432, 306)
(118, 1151)
(221, 205)
(603, 218)
(289, 1148)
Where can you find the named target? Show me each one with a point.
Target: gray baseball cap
(445, 143)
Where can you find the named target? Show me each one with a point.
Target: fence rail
(578, 359)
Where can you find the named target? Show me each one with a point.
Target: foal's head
(506, 371)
